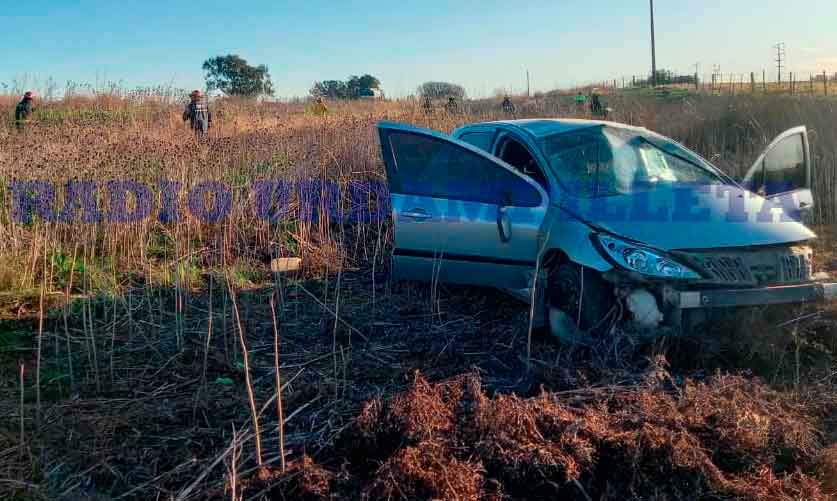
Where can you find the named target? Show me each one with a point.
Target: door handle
(419, 214)
(503, 224)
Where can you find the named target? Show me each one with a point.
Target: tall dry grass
(145, 140)
(137, 391)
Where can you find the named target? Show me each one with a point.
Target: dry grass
(827, 470)
(724, 437)
(154, 428)
(128, 408)
(147, 142)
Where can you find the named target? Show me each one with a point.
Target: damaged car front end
(673, 226)
(711, 279)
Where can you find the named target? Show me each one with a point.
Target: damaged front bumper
(675, 303)
(729, 298)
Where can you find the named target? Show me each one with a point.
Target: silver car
(596, 220)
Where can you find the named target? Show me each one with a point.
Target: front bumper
(726, 298)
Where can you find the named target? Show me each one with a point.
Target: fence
(790, 83)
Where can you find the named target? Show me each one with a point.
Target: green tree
(232, 75)
(352, 88)
(334, 89)
(438, 90)
(362, 86)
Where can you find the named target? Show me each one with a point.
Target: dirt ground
(403, 392)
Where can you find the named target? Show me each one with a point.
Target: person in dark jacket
(596, 103)
(452, 106)
(428, 105)
(508, 106)
(24, 110)
(198, 114)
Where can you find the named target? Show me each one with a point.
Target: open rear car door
(783, 173)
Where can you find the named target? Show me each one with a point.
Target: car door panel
(784, 172)
(448, 222)
(461, 243)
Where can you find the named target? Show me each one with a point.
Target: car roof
(541, 127)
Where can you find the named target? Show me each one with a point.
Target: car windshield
(605, 161)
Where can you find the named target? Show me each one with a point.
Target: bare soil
(411, 395)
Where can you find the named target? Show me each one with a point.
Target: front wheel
(579, 302)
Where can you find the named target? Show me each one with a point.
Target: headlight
(643, 260)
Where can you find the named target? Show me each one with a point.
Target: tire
(565, 288)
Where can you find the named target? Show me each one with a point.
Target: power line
(780, 59)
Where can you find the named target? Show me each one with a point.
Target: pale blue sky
(482, 45)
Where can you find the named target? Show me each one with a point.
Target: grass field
(142, 359)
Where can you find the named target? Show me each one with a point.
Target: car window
(610, 161)
(481, 140)
(576, 157)
(432, 167)
(784, 165)
(516, 155)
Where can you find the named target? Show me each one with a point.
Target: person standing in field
(580, 99)
(595, 103)
(428, 104)
(508, 106)
(451, 106)
(24, 110)
(198, 114)
(320, 108)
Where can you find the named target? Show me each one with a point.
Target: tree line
(353, 87)
(234, 76)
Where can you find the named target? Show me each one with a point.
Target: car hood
(693, 217)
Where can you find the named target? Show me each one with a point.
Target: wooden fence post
(825, 82)
(792, 82)
(764, 81)
(753, 82)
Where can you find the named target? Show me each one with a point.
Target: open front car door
(460, 215)
(783, 173)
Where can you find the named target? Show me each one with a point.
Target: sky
(483, 45)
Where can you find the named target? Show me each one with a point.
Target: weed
(63, 266)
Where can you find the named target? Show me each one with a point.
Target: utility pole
(716, 72)
(653, 49)
(697, 72)
(527, 84)
(780, 58)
